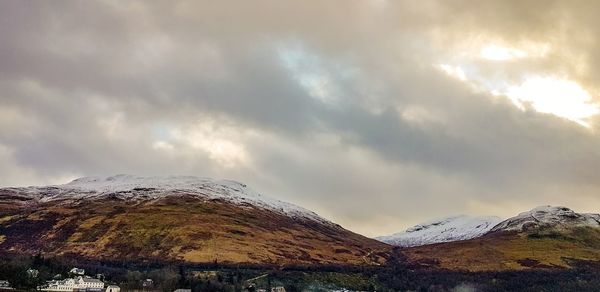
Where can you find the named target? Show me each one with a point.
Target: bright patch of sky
(498, 53)
(219, 142)
(560, 97)
(324, 79)
(309, 73)
(556, 95)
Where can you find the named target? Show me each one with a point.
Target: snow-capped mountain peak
(555, 216)
(443, 230)
(153, 187)
(125, 182)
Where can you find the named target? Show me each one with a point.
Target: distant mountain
(548, 216)
(175, 218)
(543, 238)
(443, 230)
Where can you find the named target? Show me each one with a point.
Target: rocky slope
(190, 219)
(545, 237)
(443, 230)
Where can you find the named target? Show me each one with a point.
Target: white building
(147, 283)
(32, 273)
(77, 271)
(75, 284)
(5, 285)
(113, 288)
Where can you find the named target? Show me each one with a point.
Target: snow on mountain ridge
(453, 228)
(124, 182)
(431, 223)
(128, 186)
(465, 227)
(555, 216)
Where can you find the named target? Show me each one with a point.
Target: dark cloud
(342, 110)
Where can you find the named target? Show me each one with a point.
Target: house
(113, 288)
(278, 289)
(5, 285)
(148, 283)
(92, 284)
(77, 271)
(74, 284)
(32, 273)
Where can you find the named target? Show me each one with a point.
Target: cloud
(344, 111)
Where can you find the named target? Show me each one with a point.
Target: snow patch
(154, 187)
(443, 230)
(556, 216)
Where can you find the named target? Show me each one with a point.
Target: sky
(377, 115)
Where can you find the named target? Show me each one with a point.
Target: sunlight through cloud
(507, 76)
(563, 98)
(499, 53)
(454, 71)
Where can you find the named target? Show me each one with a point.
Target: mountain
(448, 229)
(175, 218)
(543, 238)
(548, 216)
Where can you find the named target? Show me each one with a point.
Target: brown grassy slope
(511, 251)
(178, 228)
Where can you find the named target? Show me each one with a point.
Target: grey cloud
(90, 88)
